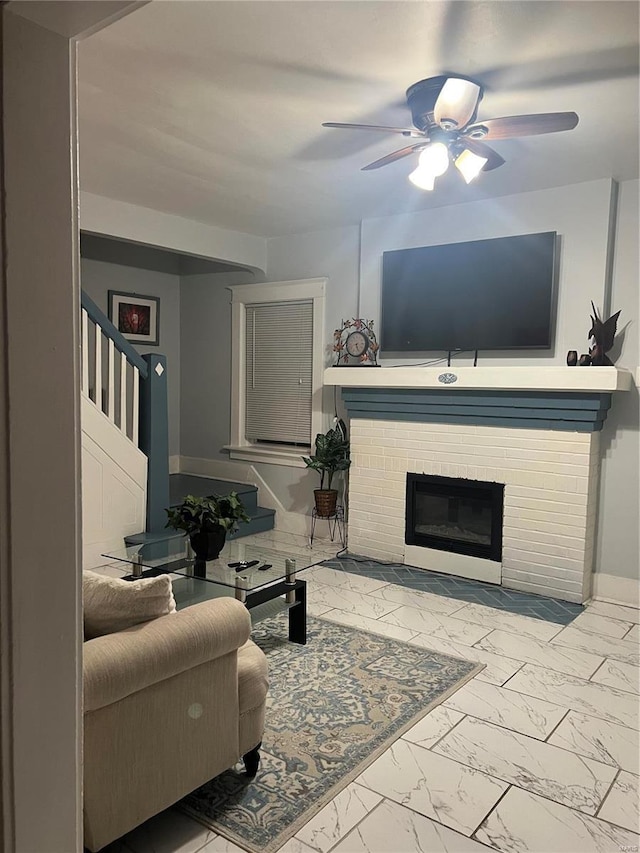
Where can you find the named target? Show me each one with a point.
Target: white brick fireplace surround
(551, 479)
(531, 430)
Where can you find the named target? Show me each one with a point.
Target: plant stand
(335, 521)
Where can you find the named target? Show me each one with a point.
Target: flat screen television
(482, 295)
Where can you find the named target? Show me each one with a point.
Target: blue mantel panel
(560, 410)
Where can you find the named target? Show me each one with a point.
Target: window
(278, 375)
(277, 365)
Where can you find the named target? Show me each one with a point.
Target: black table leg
(252, 760)
(298, 615)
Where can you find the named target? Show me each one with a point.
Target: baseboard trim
(174, 464)
(616, 590)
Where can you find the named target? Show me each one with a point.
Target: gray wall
(205, 331)
(580, 214)
(98, 277)
(333, 254)
(618, 545)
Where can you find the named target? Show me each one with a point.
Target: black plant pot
(207, 546)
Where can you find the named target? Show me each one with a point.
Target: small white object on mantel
(579, 379)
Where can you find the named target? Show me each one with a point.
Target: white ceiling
(212, 110)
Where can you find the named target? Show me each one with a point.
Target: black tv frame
(533, 349)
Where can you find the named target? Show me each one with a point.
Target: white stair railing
(130, 391)
(111, 371)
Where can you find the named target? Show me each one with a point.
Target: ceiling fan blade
(395, 155)
(405, 131)
(529, 125)
(457, 103)
(493, 158)
(596, 66)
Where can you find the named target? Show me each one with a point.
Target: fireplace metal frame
(456, 487)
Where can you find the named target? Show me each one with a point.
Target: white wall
(99, 215)
(40, 564)
(114, 486)
(42, 418)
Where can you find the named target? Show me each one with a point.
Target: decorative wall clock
(355, 344)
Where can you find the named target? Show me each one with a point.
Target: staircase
(125, 455)
(181, 485)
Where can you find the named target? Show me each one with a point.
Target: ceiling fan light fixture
(456, 103)
(422, 178)
(434, 159)
(443, 111)
(432, 162)
(469, 164)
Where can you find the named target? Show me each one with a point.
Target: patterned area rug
(334, 706)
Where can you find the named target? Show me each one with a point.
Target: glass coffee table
(265, 580)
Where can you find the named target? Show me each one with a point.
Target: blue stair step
(181, 485)
(146, 538)
(261, 520)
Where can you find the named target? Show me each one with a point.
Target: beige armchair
(168, 705)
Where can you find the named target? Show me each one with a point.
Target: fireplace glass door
(449, 514)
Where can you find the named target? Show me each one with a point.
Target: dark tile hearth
(524, 603)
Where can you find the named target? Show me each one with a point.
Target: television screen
(482, 295)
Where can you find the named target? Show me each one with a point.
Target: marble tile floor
(537, 754)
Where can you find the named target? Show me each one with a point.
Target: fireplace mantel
(533, 378)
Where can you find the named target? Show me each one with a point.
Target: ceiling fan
(444, 111)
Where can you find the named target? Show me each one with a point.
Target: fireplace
(453, 514)
(533, 430)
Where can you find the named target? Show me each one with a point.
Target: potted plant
(332, 455)
(206, 521)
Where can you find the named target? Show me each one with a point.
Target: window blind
(279, 354)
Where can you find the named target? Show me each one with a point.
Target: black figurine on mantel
(603, 334)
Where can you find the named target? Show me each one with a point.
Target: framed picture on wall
(135, 316)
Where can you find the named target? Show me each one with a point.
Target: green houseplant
(332, 455)
(206, 521)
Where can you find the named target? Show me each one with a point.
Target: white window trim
(280, 291)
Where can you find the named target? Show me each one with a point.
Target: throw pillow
(112, 604)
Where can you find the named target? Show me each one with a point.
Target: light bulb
(469, 164)
(434, 159)
(422, 178)
(456, 103)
